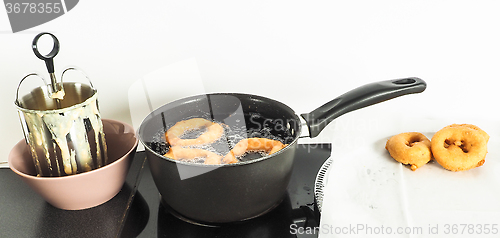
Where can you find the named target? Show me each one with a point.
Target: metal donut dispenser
(61, 122)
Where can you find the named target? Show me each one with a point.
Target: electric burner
(296, 212)
(167, 209)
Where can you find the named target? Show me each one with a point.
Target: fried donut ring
(252, 144)
(411, 148)
(459, 147)
(177, 153)
(214, 132)
(486, 136)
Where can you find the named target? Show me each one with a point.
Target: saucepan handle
(360, 97)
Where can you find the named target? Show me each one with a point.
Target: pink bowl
(84, 190)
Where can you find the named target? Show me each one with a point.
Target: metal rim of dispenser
(20, 107)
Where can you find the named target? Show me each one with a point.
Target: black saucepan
(235, 192)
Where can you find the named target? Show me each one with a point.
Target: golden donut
(179, 153)
(252, 144)
(460, 147)
(213, 132)
(411, 148)
(486, 136)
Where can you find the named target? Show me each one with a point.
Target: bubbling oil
(233, 134)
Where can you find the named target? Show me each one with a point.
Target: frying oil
(231, 136)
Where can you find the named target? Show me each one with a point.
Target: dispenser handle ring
(49, 58)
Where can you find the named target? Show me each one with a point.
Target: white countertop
(369, 194)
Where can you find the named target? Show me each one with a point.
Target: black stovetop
(137, 211)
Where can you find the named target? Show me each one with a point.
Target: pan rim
(186, 99)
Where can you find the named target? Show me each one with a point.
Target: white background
(303, 53)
